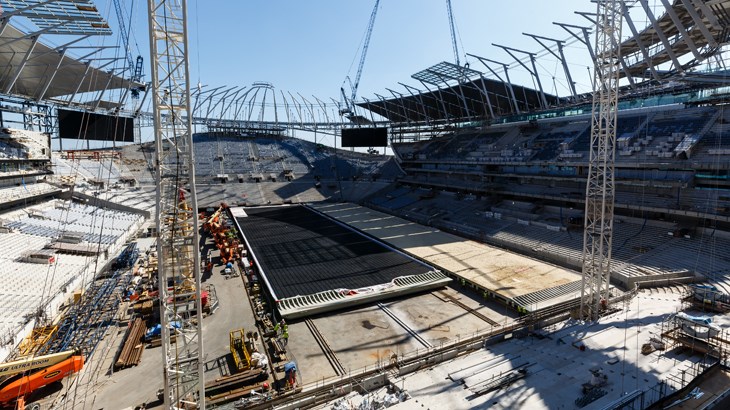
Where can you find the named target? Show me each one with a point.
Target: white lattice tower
(177, 218)
(600, 188)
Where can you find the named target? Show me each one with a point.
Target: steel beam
(560, 55)
(19, 69)
(642, 46)
(662, 37)
(507, 84)
(533, 72)
(682, 31)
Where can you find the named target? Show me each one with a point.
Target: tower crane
(176, 219)
(349, 108)
(453, 32)
(600, 188)
(135, 68)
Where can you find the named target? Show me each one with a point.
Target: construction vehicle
(16, 389)
(32, 363)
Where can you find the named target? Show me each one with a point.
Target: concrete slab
(435, 320)
(302, 348)
(557, 367)
(363, 336)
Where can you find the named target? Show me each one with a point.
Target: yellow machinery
(239, 350)
(37, 339)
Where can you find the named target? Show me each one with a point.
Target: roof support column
(699, 23)
(441, 99)
(682, 31)
(418, 96)
(51, 77)
(661, 35)
(386, 103)
(26, 57)
(560, 55)
(372, 117)
(459, 96)
(106, 87)
(298, 108)
(624, 67)
(81, 81)
(509, 50)
(709, 14)
(399, 96)
(635, 34)
(507, 84)
(225, 108)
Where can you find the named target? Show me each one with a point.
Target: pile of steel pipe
(133, 346)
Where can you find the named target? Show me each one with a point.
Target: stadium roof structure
(687, 27)
(38, 71)
(456, 92)
(666, 50)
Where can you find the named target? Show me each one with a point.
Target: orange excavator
(14, 390)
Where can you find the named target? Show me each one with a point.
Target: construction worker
(285, 338)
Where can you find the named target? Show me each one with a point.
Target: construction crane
(452, 27)
(177, 217)
(135, 69)
(600, 188)
(349, 104)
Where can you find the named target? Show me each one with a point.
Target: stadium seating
(26, 286)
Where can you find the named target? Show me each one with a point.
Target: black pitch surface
(302, 252)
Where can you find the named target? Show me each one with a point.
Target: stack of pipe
(132, 348)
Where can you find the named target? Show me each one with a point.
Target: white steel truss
(177, 217)
(600, 188)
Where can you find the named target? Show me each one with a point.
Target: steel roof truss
(682, 30)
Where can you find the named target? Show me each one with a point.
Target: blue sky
(311, 46)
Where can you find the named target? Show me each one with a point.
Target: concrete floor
(363, 337)
(557, 368)
(123, 388)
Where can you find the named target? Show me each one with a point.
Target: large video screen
(95, 127)
(365, 137)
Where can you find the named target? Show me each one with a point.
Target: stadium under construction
(470, 241)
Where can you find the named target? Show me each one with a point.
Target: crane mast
(177, 216)
(600, 188)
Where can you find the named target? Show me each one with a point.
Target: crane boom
(360, 66)
(453, 32)
(125, 36)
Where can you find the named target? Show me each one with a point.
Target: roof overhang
(34, 70)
